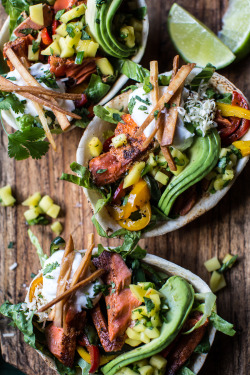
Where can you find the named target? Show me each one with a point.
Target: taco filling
(62, 62)
(103, 312)
(175, 141)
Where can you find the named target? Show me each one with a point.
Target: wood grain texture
(224, 229)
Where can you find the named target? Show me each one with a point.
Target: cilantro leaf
(50, 267)
(149, 304)
(11, 101)
(49, 80)
(27, 143)
(59, 14)
(35, 46)
(85, 35)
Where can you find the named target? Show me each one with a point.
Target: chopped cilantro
(23, 144)
(85, 35)
(11, 101)
(131, 105)
(101, 288)
(117, 117)
(59, 14)
(49, 80)
(11, 244)
(35, 46)
(143, 108)
(167, 105)
(32, 275)
(113, 287)
(173, 105)
(29, 31)
(147, 86)
(131, 87)
(145, 101)
(108, 307)
(49, 277)
(156, 114)
(70, 30)
(89, 303)
(228, 264)
(100, 171)
(149, 304)
(79, 57)
(50, 267)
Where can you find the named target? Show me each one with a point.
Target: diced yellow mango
(132, 334)
(56, 37)
(71, 42)
(134, 174)
(66, 50)
(36, 14)
(105, 67)
(132, 342)
(142, 362)
(219, 183)
(53, 211)
(32, 213)
(139, 328)
(146, 370)
(88, 46)
(52, 49)
(119, 141)
(161, 177)
(128, 35)
(61, 30)
(95, 147)
(152, 333)
(32, 200)
(151, 160)
(217, 281)
(138, 292)
(182, 159)
(45, 203)
(31, 55)
(155, 320)
(158, 362)
(136, 314)
(212, 264)
(6, 196)
(144, 338)
(228, 175)
(57, 227)
(73, 13)
(226, 259)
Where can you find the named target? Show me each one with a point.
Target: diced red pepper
(119, 194)
(94, 358)
(55, 25)
(107, 144)
(80, 102)
(46, 39)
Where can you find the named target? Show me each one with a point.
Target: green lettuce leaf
(204, 346)
(222, 325)
(132, 70)
(204, 76)
(185, 371)
(96, 89)
(108, 114)
(14, 8)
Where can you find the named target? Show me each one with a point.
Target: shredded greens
(42, 257)
(108, 114)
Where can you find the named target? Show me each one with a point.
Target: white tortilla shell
(171, 269)
(119, 83)
(97, 127)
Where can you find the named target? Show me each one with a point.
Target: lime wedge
(195, 42)
(235, 32)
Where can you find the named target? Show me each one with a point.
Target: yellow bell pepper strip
(228, 110)
(35, 283)
(138, 197)
(243, 146)
(86, 356)
(138, 224)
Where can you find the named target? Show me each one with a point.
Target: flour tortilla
(97, 127)
(171, 269)
(119, 83)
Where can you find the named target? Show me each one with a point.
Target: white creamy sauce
(182, 139)
(82, 296)
(36, 70)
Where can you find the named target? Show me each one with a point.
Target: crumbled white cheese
(13, 266)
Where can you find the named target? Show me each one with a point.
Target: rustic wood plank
(224, 229)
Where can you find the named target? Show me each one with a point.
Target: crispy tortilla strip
(40, 91)
(65, 270)
(85, 262)
(30, 80)
(173, 87)
(73, 289)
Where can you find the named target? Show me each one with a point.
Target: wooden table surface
(224, 229)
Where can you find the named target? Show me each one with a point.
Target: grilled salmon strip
(20, 47)
(120, 302)
(118, 160)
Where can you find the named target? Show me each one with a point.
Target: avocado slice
(179, 297)
(203, 156)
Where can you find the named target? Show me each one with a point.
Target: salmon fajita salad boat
(165, 151)
(116, 311)
(60, 63)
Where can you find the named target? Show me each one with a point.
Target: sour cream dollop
(83, 298)
(36, 70)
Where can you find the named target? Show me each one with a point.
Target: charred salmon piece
(62, 345)
(120, 300)
(28, 24)
(67, 67)
(185, 346)
(102, 330)
(75, 319)
(118, 160)
(20, 47)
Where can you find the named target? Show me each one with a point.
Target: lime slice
(235, 32)
(195, 42)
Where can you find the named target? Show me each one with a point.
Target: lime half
(195, 42)
(235, 32)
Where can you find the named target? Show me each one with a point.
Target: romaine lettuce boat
(57, 47)
(156, 176)
(116, 311)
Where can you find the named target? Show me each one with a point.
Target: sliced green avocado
(179, 297)
(203, 156)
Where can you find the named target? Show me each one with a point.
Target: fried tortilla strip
(73, 289)
(30, 80)
(173, 87)
(170, 124)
